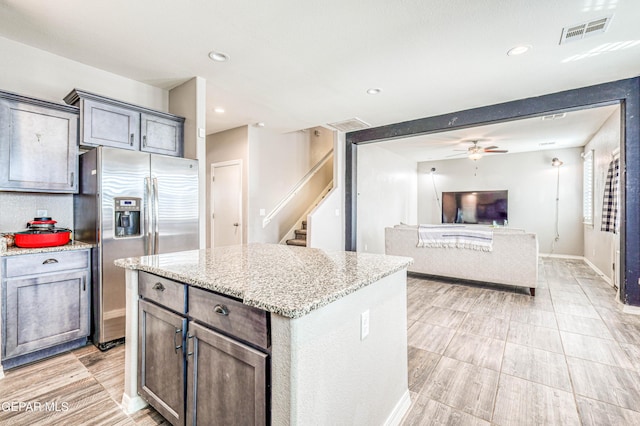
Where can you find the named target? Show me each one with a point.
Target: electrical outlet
(364, 324)
(41, 213)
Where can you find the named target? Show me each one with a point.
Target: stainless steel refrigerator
(131, 203)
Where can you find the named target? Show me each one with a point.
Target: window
(587, 185)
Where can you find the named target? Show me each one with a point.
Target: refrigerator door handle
(148, 249)
(156, 218)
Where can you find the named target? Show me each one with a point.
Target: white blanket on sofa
(455, 236)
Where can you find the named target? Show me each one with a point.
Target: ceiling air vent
(350, 125)
(554, 116)
(586, 29)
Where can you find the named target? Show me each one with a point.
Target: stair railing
(287, 198)
(312, 206)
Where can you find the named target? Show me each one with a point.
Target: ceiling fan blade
(488, 148)
(455, 155)
(497, 151)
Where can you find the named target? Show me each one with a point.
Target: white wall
(324, 374)
(531, 182)
(599, 246)
(33, 72)
(387, 189)
(39, 74)
(229, 145)
(326, 222)
(189, 101)
(277, 162)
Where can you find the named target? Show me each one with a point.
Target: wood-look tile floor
(478, 355)
(493, 355)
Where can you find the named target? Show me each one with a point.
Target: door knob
(236, 224)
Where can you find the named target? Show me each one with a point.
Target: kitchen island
(337, 336)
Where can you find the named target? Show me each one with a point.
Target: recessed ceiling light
(218, 110)
(519, 50)
(374, 91)
(260, 124)
(218, 56)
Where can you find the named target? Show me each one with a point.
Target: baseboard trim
(398, 412)
(131, 405)
(599, 272)
(561, 256)
(630, 309)
(587, 261)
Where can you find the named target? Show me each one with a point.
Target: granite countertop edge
(299, 309)
(17, 251)
(326, 300)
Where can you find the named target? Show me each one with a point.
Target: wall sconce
(556, 162)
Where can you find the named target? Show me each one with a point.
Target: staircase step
(297, 242)
(304, 224)
(301, 234)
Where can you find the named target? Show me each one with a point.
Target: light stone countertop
(16, 251)
(286, 280)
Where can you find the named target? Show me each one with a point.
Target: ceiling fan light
(475, 156)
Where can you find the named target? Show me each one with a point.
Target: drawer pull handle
(50, 261)
(158, 286)
(221, 310)
(176, 346)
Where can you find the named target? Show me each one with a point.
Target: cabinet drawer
(41, 263)
(229, 316)
(163, 291)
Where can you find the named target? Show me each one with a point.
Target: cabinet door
(161, 135)
(104, 124)
(38, 148)
(226, 380)
(46, 310)
(161, 362)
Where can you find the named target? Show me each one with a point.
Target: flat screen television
(488, 207)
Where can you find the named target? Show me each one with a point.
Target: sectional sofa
(513, 259)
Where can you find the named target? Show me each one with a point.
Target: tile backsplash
(17, 208)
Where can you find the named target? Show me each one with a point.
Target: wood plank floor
(478, 355)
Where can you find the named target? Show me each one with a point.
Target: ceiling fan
(475, 151)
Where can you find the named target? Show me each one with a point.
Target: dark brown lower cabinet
(161, 361)
(45, 306)
(195, 375)
(226, 380)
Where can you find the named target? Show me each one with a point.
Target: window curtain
(610, 202)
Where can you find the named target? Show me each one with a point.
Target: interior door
(226, 204)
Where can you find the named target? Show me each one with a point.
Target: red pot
(37, 239)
